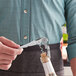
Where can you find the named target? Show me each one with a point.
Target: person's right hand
(8, 52)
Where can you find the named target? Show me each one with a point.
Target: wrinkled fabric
(44, 18)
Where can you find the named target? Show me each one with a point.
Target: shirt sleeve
(70, 14)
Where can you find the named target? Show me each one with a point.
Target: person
(22, 21)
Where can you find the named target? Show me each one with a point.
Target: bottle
(47, 65)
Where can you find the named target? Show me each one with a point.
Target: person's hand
(8, 52)
(61, 44)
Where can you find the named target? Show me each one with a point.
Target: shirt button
(25, 11)
(25, 37)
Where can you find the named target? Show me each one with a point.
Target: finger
(7, 57)
(5, 67)
(11, 51)
(20, 51)
(8, 42)
(3, 61)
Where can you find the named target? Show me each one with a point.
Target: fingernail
(18, 45)
(21, 50)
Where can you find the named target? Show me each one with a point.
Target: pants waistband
(36, 47)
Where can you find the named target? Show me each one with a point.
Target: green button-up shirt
(33, 19)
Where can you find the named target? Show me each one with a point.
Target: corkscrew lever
(40, 41)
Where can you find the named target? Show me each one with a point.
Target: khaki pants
(28, 63)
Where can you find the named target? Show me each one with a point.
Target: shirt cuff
(71, 51)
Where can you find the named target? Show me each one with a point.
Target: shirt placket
(25, 22)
